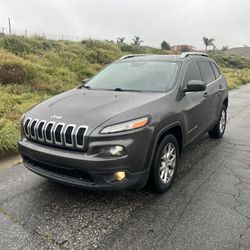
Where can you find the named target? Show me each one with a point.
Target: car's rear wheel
(219, 129)
(165, 164)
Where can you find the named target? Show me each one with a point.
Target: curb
(9, 159)
(7, 154)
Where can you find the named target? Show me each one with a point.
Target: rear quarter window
(216, 70)
(207, 71)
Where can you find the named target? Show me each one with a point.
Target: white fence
(28, 33)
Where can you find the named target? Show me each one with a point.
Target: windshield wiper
(86, 87)
(130, 90)
(118, 89)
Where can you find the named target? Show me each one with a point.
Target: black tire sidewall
(218, 132)
(223, 109)
(158, 184)
(215, 132)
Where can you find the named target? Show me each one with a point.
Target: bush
(8, 135)
(230, 61)
(14, 69)
(20, 45)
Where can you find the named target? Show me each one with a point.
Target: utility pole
(9, 26)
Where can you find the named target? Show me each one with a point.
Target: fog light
(119, 176)
(112, 151)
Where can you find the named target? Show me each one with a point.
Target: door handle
(205, 94)
(220, 86)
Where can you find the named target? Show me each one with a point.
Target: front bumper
(82, 169)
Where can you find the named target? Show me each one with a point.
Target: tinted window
(193, 72)
(207, 72)
(216, 70)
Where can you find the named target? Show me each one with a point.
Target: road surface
(208, 207)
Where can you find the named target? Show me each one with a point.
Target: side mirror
(195, 86)
(85, 80)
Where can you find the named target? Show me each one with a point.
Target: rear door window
(193, 72)
(207, 72)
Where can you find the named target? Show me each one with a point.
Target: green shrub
(230, 61)
(14, 69)
(20, 45)
(9, 134)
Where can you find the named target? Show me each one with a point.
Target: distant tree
(225, 48)
(208, 42)
(120, 39)
(137, 41)
(165, 46)
(185, 49)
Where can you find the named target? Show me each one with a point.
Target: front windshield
(136, 76)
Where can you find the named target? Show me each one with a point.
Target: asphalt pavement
(208, 207)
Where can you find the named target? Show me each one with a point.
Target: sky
(176, 21)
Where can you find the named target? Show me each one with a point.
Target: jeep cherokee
(128, 124)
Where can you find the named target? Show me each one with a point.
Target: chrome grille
(55, 134)
(32, 128)
(69, 135)
(26, 127)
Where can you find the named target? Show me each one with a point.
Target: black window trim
(212, 63)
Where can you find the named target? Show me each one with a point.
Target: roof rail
(186, 54)
(132, 55)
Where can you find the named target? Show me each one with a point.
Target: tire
(161, 181)
(219, 128)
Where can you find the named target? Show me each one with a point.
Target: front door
(195, 104)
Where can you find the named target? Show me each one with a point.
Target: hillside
(33, 69)
(240, 51)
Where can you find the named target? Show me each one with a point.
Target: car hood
(89, 107)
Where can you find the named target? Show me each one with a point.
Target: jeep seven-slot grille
(55, 134)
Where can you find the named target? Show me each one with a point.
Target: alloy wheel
(222, 121)
(167, 163)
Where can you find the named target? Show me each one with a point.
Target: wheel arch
(176, 129)
(225, 102)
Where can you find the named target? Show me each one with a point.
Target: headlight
(137, 123)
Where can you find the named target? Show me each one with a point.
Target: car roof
(147, 57)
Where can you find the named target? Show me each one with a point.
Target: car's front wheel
(219, 129)
(165, 164)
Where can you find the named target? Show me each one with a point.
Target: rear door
(221, 87)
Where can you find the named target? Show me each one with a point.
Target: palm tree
(225, 48)
(120, 39)
(137, 41)
(208, 42)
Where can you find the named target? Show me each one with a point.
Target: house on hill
(182, 47)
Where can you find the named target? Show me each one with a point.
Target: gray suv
(127, 125)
